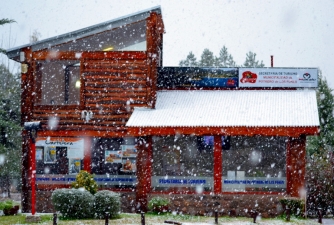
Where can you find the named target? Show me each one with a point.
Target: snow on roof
(97, 28)
(250, 108)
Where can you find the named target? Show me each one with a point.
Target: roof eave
(225, 131)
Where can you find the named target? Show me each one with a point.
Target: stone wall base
(191, 204)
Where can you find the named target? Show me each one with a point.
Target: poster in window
(75, 166)
(129, 151)
(113, 156)
(129, 165)
(39, 153)
(50, 154)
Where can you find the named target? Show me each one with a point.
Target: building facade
(199, 136)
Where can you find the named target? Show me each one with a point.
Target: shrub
(158, 204)
(6, 205)
(85, 180)
(73, 203)
(296, 205)
(107, 201)
(320, 185)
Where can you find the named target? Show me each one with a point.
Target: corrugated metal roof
(250, 108)
(108, 25)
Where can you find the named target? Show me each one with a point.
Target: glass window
(255, 164)
(56, 155)
(182, 162)
(130, 37)
(57, 83)
(114, 162)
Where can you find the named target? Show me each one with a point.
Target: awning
(238, 112)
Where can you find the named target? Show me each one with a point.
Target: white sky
(298, 33)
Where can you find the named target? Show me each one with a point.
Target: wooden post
(217, 165)
(106, 217)
(55, 219)
(26, 115)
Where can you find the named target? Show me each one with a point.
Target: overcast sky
(298, 33)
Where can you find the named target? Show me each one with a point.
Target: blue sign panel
(197, 77)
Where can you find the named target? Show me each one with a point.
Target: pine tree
(230, 61)
(216, 62)
(3, 22)
(223, 56)
(207, 58)
(325, 99)
(10, 138)
(190, 60)
(251, 60)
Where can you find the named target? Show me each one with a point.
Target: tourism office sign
(278, 77)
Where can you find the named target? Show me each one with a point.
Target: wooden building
(107, 106)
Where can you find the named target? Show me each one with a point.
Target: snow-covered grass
(152, 219)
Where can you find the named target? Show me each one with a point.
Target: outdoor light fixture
(24, 68)
(22, 57)
(108, 49)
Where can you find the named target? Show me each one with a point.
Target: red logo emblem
(230, 82)
(248, 77)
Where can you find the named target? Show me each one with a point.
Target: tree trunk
(8, 185)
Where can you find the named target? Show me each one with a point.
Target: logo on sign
(307, 75)
(307, 78)
(248, 77)
(230, 82)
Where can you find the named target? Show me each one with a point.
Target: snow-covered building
(232, 138)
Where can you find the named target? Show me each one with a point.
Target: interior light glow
(77, 84)
(108, 49)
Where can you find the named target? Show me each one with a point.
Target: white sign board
(75, 147)
(278, 77)
(253, 182)
(180, 181)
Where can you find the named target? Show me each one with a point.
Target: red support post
(149, 164)
(144, 172)
(87, 154)
(217, 165)
(33, 175)
(296, 163)
(288, 166)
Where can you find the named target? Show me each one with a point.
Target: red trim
(223, 193)
(217, 165)
(230, 131)
(82, 133)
